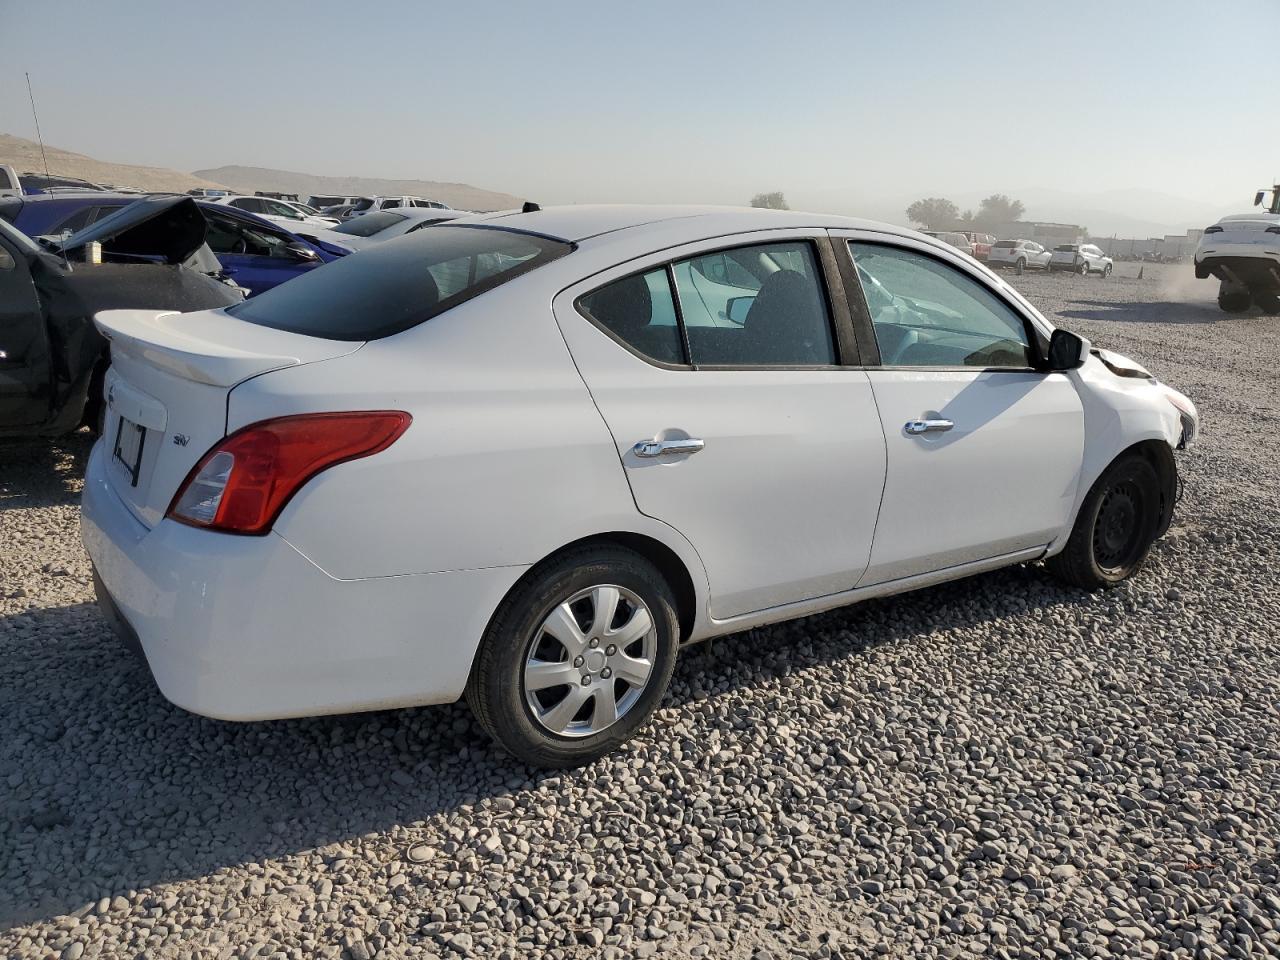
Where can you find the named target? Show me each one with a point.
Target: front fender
(1120, 412)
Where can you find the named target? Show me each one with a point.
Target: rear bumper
(1252, 264)
(247, 628)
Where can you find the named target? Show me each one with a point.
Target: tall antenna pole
(36, 117)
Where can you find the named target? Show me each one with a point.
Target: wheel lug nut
(586, 679)
(578, 661)
(606, 673)
(610, 650)
(594, 643)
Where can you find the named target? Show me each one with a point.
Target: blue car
(256, 253)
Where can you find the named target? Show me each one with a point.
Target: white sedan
(373, 228)
(286, 212)
(527, 457)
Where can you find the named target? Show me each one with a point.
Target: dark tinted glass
(369, 224)
(398, 285)
(640, 311)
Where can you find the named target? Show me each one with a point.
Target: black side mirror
(1258, 197)
(1066, 351)
(300, 251)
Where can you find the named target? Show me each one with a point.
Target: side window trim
(866, 329)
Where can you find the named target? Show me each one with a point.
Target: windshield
(364, 203)
(399, 285)
(369, 224)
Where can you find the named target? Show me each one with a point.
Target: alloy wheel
(589, 661)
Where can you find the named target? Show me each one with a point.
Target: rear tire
(1020, 266)
(1115, 529)
(1234, 301)
(556, 625)
(1268, 303)
(1084, 269)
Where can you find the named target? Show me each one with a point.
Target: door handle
(916, 427)
(666, 448)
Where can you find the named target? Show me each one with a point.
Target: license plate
(130, 439)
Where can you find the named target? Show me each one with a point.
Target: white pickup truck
(10, 186)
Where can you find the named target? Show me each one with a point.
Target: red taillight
(242, 484)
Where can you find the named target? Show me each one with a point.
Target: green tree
(997, 209)
(934, 213)
(770, 201)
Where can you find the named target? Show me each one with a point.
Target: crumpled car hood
(170, 229)
(1121, 365)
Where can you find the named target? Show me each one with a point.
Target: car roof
(577, 223)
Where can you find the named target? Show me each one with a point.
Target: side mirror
(737, 308)
(1258, 197)
(1067, 351)
(300, 251)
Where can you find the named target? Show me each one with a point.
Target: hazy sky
(842, 105)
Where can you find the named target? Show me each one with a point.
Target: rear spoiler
(177, 348)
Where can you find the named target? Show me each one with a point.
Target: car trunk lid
(167, 392)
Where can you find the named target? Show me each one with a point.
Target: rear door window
(762, 305)
(399, 285)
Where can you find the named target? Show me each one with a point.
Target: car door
(755, 438)
(984, 450)
(25, 374)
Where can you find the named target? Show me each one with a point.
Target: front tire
(576, 658)
(1019, 266)
(1115, 529)
(1106, 271)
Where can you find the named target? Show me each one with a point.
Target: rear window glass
(369, 224)
(1007, 243)
(1065, 248)
(398, 285)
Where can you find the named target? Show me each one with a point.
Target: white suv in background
(280, 211)
(1081, 258)
(1019, 254)
(369, 204)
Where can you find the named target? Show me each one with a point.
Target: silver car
(1019, 254)
(1081, 258)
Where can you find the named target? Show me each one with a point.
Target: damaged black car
(148, 255)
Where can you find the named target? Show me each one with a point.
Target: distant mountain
(461, 196)
(24, 155)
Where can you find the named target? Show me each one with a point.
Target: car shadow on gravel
(109, 788)
(27, 465)
(1143, 311)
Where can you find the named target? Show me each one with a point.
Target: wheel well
(661, 556)
(1160, 456)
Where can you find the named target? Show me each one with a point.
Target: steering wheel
(240, 246)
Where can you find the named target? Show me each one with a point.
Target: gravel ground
(999, 766)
